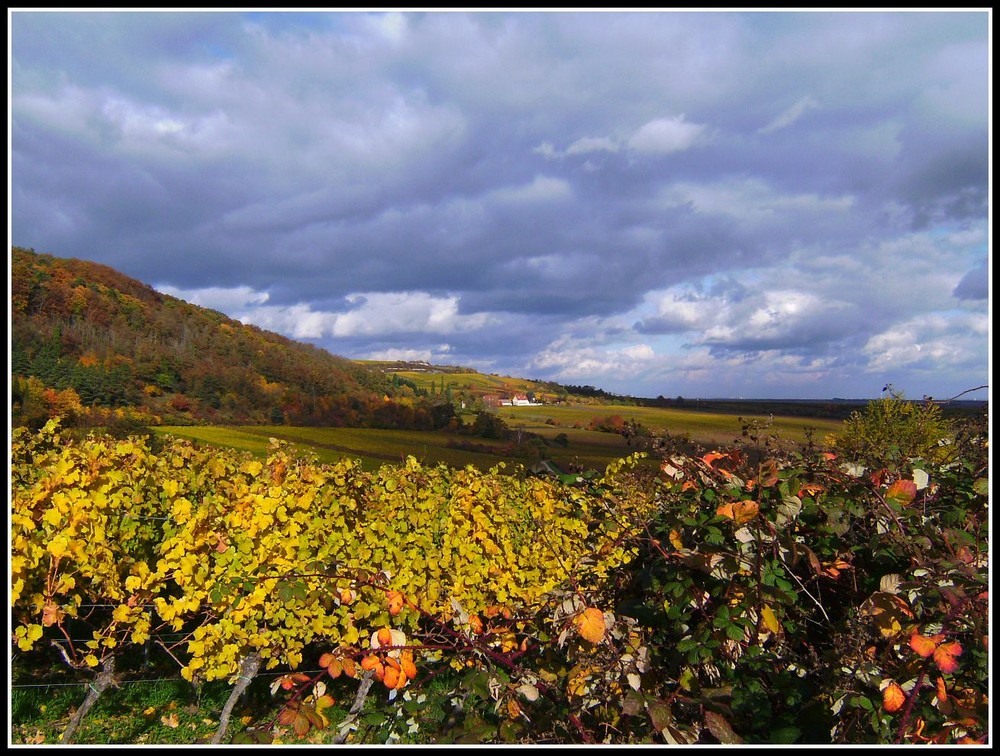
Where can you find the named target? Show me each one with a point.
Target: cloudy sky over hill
(656, 203)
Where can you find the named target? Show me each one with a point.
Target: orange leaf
(334, 668)
(290, 681)
(942, 691)
(711, 457)
(902, 492)
(325, 659)
(893, 698)
(591, 625)
(922, 645)
(407, 665)
(811, 489)
(832, 569)
(395, 602)
(391, 677)
(944, 656)
(385, 637)
(349, 668)
(740, 512)
(51, 614)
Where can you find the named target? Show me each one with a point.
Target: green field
(584, 449)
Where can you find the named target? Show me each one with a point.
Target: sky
(750, 204)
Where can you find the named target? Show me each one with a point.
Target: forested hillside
(84, 334)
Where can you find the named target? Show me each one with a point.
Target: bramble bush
(753, 594)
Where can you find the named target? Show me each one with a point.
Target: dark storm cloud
(644, 199)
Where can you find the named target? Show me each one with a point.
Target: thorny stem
(904, 723)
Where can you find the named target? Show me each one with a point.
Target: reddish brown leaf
(301, 725)
(942, 691)
(902, 492)
(721, 729)
(740, 512)
(769, 473)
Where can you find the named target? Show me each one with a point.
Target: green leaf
(785, 735)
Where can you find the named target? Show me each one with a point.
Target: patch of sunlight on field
(701, 427)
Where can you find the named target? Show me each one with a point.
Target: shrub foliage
(745, 595)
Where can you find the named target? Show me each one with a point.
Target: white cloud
(104, 117)
(928, 340)
(568, 358)
(789, 116)
(593, 144)
(666, 135)
(541, 189)
(218, 298)
(402, 355)
(370, 313)
(658, 137)
(392, 26)
(750, 200)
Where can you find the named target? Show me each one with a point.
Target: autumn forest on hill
(97, 341)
